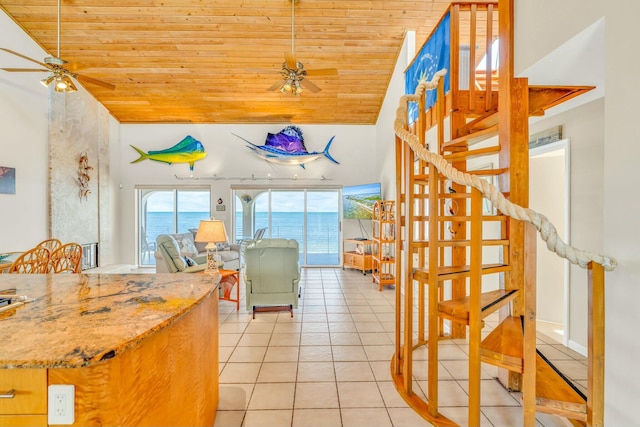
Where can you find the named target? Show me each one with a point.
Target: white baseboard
(578, 347)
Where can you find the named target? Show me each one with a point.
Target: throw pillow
(200, 246)
(189, 261)
(224, 246)
(187, 247)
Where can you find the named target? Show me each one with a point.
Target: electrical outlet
(61, 404)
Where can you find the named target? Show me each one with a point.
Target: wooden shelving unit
(353, 257)
(383, 233)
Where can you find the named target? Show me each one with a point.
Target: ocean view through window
(168, 211)
(311, 217)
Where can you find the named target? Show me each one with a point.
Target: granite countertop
(75, 320)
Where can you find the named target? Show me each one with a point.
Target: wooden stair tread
(470, 154)
(485, 121)
(458, 309)
(503, 346)
(462, 243)
(473, 137)
(541, 98)
(451, 271)
(555, 394)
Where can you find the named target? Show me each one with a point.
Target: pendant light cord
(293, 2)
(59, 1)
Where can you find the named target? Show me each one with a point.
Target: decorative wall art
(83, 175)
(433, 56)
(287, 148)
(189, 150)
(7, 180)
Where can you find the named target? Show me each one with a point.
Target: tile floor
(329, 365)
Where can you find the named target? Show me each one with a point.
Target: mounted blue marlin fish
(189, 150)
(287, 148)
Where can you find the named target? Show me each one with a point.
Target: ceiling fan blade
(24, 70)
(290, 59)
(276, 85)
(85, 79)
(322, 72)
(25, 57)
(311, 86)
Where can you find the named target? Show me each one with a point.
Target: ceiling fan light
(64, 84)
(46, 82)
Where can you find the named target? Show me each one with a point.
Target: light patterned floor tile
(278, 372)
(316, 371)
(316, 417)
(360, 395)
(272, 396)
(365, 417)
(268, 418)
(353, 371)
(316, 395)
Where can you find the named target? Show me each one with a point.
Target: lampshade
(211, 230)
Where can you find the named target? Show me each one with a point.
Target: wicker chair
(51, 244)
(33, 261)
(66, 259)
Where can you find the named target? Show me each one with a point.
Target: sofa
(227, 253)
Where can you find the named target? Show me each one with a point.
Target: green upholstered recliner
(175, 262)
(272, 275)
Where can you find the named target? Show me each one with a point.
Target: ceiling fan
(293, 72)
(60, 70)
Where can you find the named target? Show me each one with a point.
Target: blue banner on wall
(433, 57)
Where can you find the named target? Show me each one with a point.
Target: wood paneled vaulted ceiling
(212, 61)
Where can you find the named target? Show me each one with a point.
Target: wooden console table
(140, 349)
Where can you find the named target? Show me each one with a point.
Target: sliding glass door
(168, 211)
(309, 216)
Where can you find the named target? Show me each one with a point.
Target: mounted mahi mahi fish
(189, 150)
(287, 148)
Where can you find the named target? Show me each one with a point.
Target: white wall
(544, 25)
(23, 145)
(621, 212)
(385, 134)
(584, 126)
(228, 156)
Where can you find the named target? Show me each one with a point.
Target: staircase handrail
(547, 230)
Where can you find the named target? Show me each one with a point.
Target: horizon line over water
(322, 227)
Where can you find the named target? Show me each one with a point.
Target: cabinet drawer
(23, 420)
(30, 391)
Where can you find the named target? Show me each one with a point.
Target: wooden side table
(236, 274)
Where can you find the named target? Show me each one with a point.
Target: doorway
(549, 194)
(310, 216)
(168, 211)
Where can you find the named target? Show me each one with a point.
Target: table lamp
(211, 231)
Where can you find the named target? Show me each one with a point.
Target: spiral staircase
(466, 246)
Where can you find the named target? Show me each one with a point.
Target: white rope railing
(546, 229)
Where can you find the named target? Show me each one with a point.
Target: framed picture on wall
(7, 180)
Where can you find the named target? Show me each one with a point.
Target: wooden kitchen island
(140, 349)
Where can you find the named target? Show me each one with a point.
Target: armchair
(168, 247)
(272, 275)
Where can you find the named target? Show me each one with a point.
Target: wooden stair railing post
(400, 259)
(457, 120)
(529, 339)
(475, 307)
(595, 361)
(407, 370)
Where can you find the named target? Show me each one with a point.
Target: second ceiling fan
(294, 75)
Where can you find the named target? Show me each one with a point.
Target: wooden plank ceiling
(212, 61)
